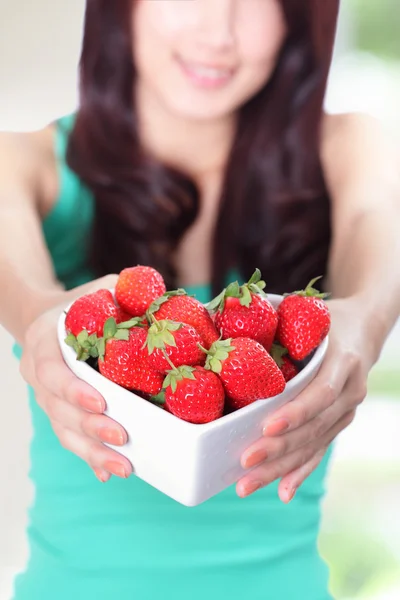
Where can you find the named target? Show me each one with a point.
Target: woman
(200, 146)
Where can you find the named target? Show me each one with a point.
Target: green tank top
(126, 540)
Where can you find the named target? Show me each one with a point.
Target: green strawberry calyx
(178, 374)
(244, 293)
(83, 344)
(278, 352)
(160, 334)
(159, 399)
(217, 354)
(156, 304)
(91, 346)
(310, 291)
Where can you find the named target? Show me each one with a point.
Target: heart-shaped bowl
(190, 463)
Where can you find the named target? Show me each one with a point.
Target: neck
(195, 147)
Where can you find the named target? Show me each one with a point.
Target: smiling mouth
(206, 75)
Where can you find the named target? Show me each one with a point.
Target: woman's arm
(27, 280)
(363, 175)
(32, 299)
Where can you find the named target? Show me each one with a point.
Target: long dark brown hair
(274, 212)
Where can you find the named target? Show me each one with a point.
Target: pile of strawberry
(196, 361)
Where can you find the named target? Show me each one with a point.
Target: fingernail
(102, 475)
(116, 469)
(93, 404)
(111, 436)
(255, 459)
(291, 494)
(277, 426)
(252, 487)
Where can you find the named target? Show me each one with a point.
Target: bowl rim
(318, 356)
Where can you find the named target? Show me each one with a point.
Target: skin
(361, 173)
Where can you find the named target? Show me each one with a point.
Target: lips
(205, 71)
(206, 75)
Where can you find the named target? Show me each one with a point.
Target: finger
(292, 481)
(54, 375)
(268, 472)
(95, 454)
(317, 397)
(289, 485)
(98, 427)
(273, 447)
(102, 475)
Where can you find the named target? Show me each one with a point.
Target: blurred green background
(377, 26)
(360, 535)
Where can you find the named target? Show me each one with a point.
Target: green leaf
(277, 353)
(159, 398)
(167, 339)
(122, 334)
(110, 328)
(101, 348)
(150, 344)
(216, 303)
(186, 372)
(310, 291)
(174, 385)
(313, 281)
(173, 325)
(216, 365)
(246, 298)
(82, 337)
(257, 290)
(94, 352)
(70, 340)
(167, 381)
(92, 339)
(154, 306)
(84, 356)
(255, 278)
(233, 290)
(129, 324)
(175, 375)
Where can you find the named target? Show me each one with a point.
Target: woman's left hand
(296, 437)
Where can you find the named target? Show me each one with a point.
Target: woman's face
(203, 59)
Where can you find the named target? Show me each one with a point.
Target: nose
(216, 24)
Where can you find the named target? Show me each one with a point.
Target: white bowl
(190, 463)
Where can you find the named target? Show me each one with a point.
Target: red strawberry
(90, 312)
(124, 360)
(194, 394)
(246, 369)
(304, 321)
(178, 306)
(179, 341)
(288, 368)
(245, 311)
(137, 288)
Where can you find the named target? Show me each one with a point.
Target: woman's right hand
(74, 408)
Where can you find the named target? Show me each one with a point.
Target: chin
(201, 111)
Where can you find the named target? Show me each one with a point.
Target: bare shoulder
(28, 166)
(348, 124)
(355, 145)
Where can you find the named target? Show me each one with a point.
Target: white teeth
(208, 72)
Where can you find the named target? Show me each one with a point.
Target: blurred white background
(39, 50)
